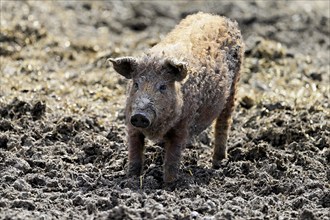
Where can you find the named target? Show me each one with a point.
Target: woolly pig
(180, 86)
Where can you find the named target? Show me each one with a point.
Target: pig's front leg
(135, 152)
(174, 143)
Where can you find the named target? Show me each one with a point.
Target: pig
(181, 86)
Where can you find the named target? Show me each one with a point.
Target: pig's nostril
(140, 120)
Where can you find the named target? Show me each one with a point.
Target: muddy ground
(62, 133)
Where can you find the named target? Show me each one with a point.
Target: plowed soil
(62, 132)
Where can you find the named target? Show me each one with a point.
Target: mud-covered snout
(143, 112)
(140, 120)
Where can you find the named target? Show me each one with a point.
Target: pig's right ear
(124, 65)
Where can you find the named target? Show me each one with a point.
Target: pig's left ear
(177, 68)
(124, 65)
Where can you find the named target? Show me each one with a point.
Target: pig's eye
(162, 88)
(136, 86)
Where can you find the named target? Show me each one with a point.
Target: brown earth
(62, 132)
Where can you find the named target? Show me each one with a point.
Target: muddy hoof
(170, 178)
(134, 170)
(218, 160)
(171, 173)
(216, 164)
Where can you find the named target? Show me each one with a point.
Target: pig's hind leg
(222, 128)
(223, 122)
(135, 152)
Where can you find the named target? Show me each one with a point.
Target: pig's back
(212, 47)
(199, 40)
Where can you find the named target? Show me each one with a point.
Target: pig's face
(155, 99)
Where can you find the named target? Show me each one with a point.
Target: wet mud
(62, 132)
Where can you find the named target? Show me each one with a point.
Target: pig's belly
(204, 117)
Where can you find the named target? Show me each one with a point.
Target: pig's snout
(143, 112)
(140, 120)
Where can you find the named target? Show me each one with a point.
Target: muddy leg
(223, 122)
(135, 152)
(222, 128)
(174, 144)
